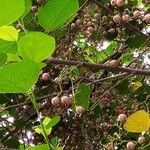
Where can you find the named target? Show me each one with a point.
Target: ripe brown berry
(55, 101)
(126, 18)
(80, 109)
(120, 3)
(131, 146)
(78, 22)
(117, 19)
(114, 63)
(66, 100)
(45, 76)
(90, 29)
(147, 18)
(136, 14)
(34, 9)
(141, 140)
(122, 118)
(73, 25)
(113, 2)
(41, 2)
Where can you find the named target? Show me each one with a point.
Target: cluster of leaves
(31, 32)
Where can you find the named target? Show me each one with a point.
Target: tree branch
(97, 66)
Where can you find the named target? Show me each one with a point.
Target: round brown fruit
(66, 100)
(55, 101)
(113, 2)
(45, 76)
(120, 3)
(117, 18)
(126, 18)
(122, 118)
(80, 109)
(136, 14)
(131, 146)
(147, 18)
(114, 63)
(141, 140)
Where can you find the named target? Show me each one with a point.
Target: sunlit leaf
(54, 14)
(10, 11)
(138, 122)
(8, 33)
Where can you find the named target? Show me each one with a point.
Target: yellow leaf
(8, 33)
(138, 122)
(135, 85)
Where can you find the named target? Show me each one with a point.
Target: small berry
(41, 2)
(111, 147)
(114, 63)
(80, 109)
(45, 76)
(141, 140)
(136, 14)
(66, 100)
(126, 18)
(34, 9)
(117, 18)
(73, 25)
(120, 3)
(113, 2)
(90, 29)
(131, 146)
(78, 22)
(55, 101)
(147, 18)
(122, 118)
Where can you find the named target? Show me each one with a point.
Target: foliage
(74, 74)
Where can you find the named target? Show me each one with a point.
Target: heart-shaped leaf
(54, 14)
(10, 11)
(36, 46)
(19, 77)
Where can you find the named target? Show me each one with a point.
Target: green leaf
(28, 4)
(147, 147)
(8, 33)
(3, 59)
(136, 41)
(53, 122)
(38, 147)
(82, 96)
(12, 58)
(54, 14)
(36, 46)
(8, 46)
(59, 148)
(19, 77)
(10, 11)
